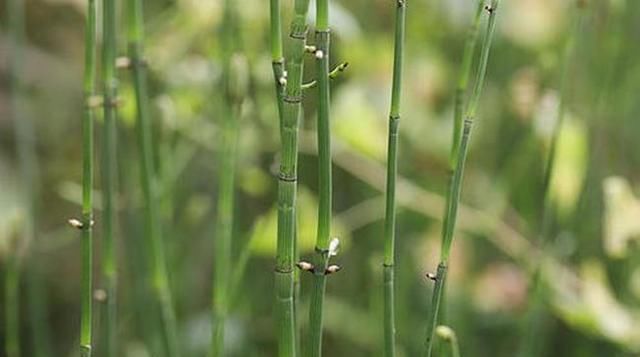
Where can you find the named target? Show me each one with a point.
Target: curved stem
(455, 184)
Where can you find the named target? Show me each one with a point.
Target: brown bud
(306, 266)
(333, 268)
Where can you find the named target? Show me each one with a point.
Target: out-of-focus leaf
(592, 307)
(357, 124)
(570, 165)
(622, 210)
(263, 239)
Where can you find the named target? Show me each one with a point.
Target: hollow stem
(110, 90)
(158, 273)
(455, 184)
(87, 182)
(324, 179)
(287, 181)
(392, 169)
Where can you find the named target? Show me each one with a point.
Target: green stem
(463, 81)
(12, 305)
(159, 275)
(455, 184)
(392, 170)
(287, 182)
(87, 182)
(324, 179)
(449, 337)
(531, 342)
(110, 83)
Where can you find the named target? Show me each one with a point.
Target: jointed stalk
(235, 82)
(110, 83)
(87, 182)
(392, 169)
(158, 273)
(324, 179)
(287, 178)
(455, 185)
(533, 335)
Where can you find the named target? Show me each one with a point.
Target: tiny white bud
(319, 54)
(332, 269)
(334, 247)
(431, 276)
(283, 81)
(123, 62)
(445, 332)
(305, 266)
(100, 295)
(75, 223)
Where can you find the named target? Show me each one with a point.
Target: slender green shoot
(531, 342)
(290, 111)
(110, 92)
(321, 261)
(392, 170)
(235, 84)
(86, 225)
(159, 276)
(446, 334)
(455, 185)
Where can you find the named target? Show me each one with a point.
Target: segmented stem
(392, 169)
(87, 182)
(158, 273)
(455, 184)
(290, 111)
(324, 179)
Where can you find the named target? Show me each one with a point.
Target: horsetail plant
(86, 225)
(110, 98)
(235, 83)
(323, 243)
(455, 184)
(26, 156)
(159, 277)
(531, 339)
(392, 169)
(288, 176)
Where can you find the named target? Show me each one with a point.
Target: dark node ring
(287, 178)
(282, 271)
(293, 99)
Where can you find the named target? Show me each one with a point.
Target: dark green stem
(287, 182)
(324, 179)
(110, 83)
(455, 184)
(87, 182)
(392, 170)
(159, 276)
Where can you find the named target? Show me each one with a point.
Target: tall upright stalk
(87, 181)
(533, 337)
(324, 180)
(392, 169)
(455, 184)
(235, 81)
(158, 273)
(288, 177)
(110, 92)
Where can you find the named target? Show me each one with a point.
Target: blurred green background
(593, 266)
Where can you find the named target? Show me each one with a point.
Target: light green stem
(287, 181)
(87, 182)
(455, 184)
(392, 170)
(159, 276)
